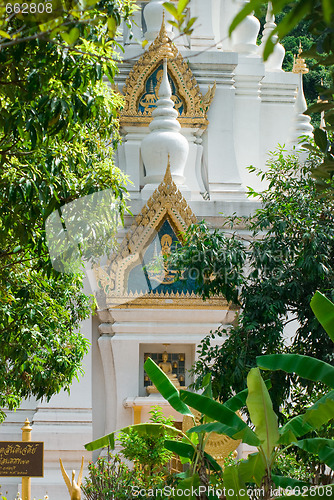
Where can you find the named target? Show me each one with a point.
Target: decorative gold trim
(167, 301)
(299, 64)
(196, 105)
(218, 445)
(166, 201)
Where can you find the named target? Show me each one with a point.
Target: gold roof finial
(163, 40)
(299, 64)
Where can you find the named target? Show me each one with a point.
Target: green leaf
(207, 386)
(182, 449)
(304, 366)
(243, 13)
(212, 462)
(239, 400)
(4, 34)
(182, 4)
(188, 485)
(108, 440)
(212, 409)
(324, 448)
(112, 26)
(71, 37)
(147, 428)
(321, 412)
(253, 469)
(328, 10)
(165, 387)
(246, 434)
(323, 309)
(232, 483)
(261, 412)
(171, 9)
(288, 482)
(294, 428)
(320, 138)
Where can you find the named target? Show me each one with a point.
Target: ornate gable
(163, 219)
(142, 85)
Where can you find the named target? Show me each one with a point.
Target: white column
(130, 157)
(203, 35)
(228, 10)
(249, 74)
(245, 34)
(218, 141)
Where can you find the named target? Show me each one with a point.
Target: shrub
(108, 479)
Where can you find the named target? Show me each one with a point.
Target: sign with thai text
(21, 459)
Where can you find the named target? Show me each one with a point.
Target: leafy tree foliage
(288, 256)
(58, 127)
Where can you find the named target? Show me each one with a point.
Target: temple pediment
(138, 275)
(142, 87)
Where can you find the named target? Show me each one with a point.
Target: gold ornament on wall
(168, 203)
(187, 96)
(218, 445)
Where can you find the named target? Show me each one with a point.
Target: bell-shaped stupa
(164, 140)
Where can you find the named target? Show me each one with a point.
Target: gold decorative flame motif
(188, 94)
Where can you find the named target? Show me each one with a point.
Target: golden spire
(299, 64)
(168, 175)
(163, 40)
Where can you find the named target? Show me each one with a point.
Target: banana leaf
(233, 483)
(247, 435)
(253, 469)
(239, 400)
(182, 449)
(212, 409)
(165, 387)
(233, 425)
(324, 448)
(304, 366)
(321, 412)
(294, 428)
(212, 462)
(323, 309)
(316, 416)
(149, 428)
(287, 482)
(188, 485)
(261, 412)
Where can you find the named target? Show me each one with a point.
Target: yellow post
(26, 481)
(137, 414)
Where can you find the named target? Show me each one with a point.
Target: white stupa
(164, 141)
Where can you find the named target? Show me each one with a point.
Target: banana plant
(269, 439)
(320, 412)
(196, 480)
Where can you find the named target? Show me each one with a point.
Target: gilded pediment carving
(164, 219)
(142, 86)
(165, 206)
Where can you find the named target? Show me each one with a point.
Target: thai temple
(198, 110)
